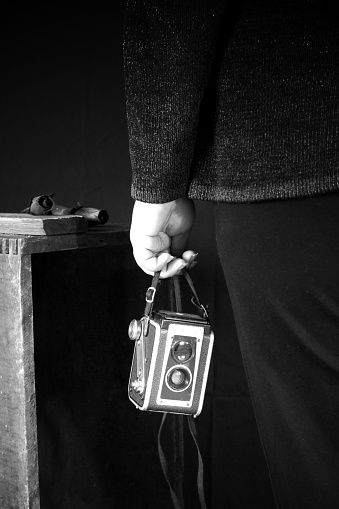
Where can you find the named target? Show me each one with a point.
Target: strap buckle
(201, 307)
(150, 294)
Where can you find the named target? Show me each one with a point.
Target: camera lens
(182, 351)
(178, 378)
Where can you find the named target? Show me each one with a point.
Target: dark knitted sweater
(232, 100)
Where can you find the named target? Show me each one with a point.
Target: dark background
(63, 126)
(63, 131)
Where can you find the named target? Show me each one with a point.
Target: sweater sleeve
(168, 54)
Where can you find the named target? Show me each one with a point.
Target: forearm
(168, 53)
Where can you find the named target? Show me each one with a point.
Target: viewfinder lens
(182, 350)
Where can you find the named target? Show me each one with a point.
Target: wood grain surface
(18, 431)
(26, 224)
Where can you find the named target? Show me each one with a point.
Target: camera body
(171, 362)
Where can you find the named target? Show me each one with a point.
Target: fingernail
(192, 261)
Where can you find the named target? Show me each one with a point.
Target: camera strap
(177, 491)
(174, 290)
(150, 295)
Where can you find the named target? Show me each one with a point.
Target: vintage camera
(171, 361)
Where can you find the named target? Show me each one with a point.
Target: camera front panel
(181, 368)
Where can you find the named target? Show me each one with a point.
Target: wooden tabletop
(103, 235)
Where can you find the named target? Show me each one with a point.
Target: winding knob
(135, 330)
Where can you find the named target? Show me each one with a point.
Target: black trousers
(281, 264)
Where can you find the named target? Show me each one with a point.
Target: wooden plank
(99, 236)
(26, 224)
(18, 428)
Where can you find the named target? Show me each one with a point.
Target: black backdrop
(63, 130)
(63, 126)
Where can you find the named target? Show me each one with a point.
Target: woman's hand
(159, 235)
